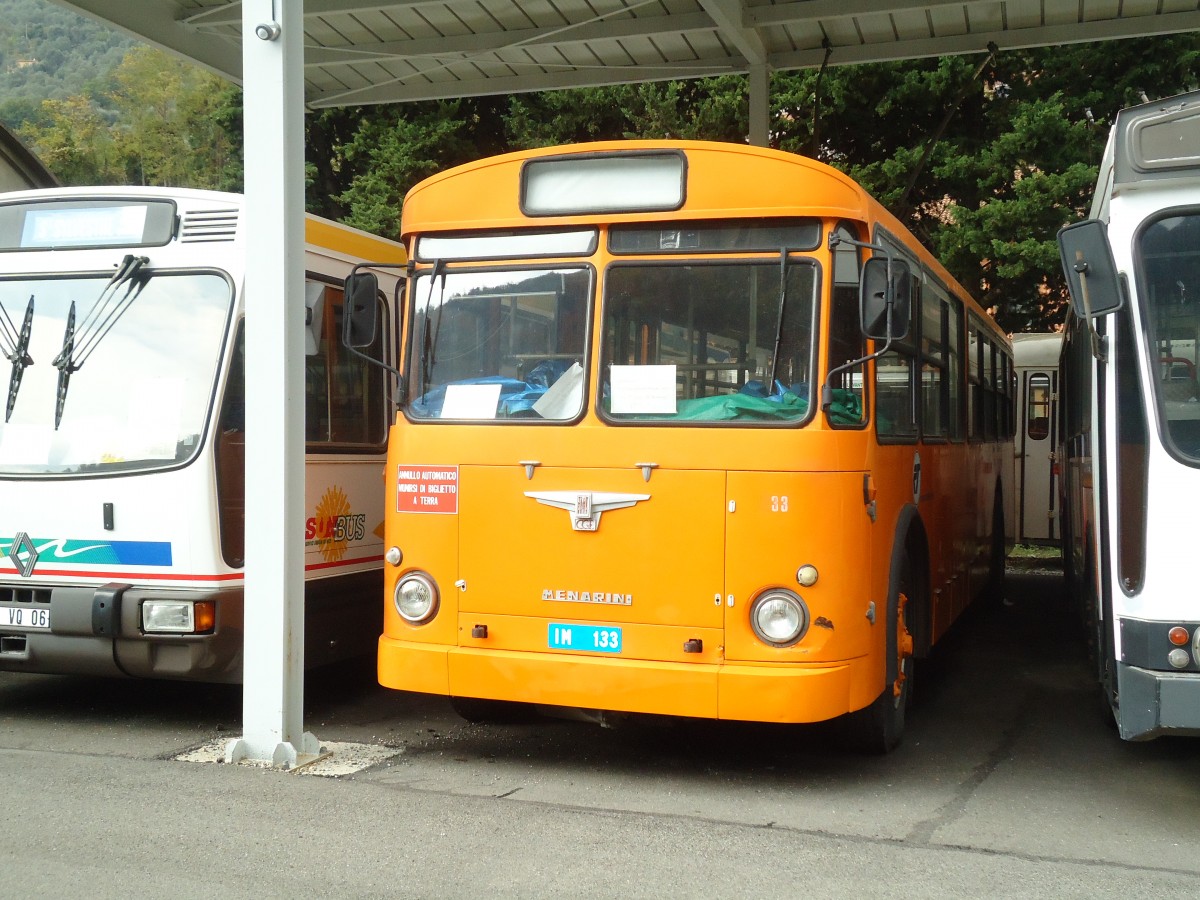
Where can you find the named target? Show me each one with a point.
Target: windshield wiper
(15, 348)
(78, 344)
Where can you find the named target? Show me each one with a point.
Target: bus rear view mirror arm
(885, 302)
(360, 322)
(884, 294)
(1090, 270)
(884, 299)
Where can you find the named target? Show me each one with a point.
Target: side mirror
(360, 317)
(1090, 269)
(314, 316)
(885, 285)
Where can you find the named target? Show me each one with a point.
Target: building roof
(385, 51)
(19, 168)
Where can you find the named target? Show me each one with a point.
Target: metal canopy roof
(387, 51)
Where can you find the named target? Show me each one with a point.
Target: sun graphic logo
(334, 526)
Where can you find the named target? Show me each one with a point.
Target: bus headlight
(416, 598)
(778, 617)
(178, 616)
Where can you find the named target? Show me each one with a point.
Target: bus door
(1039, 392)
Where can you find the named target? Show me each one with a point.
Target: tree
(704, 109)
(168, 133)
(156, 121)
(378, 153)
(1017, 159)
(73, 141)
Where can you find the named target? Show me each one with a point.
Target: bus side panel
(951, 522)
(343, 531)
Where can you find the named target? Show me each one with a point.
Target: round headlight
(779, 618)
(416, 598)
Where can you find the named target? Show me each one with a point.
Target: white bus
(1035, 364)
(122, 444)
(1130, 421)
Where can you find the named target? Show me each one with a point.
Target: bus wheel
(491, 712)
(879, 728)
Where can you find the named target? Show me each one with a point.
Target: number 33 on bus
(686, 428)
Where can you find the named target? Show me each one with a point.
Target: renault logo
(23, 554)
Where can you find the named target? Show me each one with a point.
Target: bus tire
(478, 711)
(879, 728)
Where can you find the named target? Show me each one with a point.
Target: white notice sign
(644, 390)
(471, 401)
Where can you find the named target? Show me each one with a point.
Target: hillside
(47, 52)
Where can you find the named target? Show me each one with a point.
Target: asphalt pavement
(1010, 783)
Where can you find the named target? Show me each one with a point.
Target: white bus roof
(1040, 350)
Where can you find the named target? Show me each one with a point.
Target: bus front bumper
(729, 690)
(96, 630)
(1153, 704)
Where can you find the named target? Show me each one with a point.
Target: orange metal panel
(639, 642)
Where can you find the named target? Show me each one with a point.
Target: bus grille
(209, 225)
(17, 594)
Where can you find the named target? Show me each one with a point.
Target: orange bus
(685, 428)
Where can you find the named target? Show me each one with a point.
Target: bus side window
(1004, 395)
(845, 335)
(935, 397)
(345, 402)
(895, 382)
(1038, 409)
(977, 345)
(954, 371)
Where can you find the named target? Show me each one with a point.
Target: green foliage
(1014, 159)
(159, 121)
(74, 143)
(49, 53)
(168, 135)
(370, 157)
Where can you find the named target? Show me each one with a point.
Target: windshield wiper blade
(16, 351)
(108, 308)
(64, 370)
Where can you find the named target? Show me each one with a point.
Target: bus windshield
(711, 341)
(499, 344)
(138, 400)
(1170, 275)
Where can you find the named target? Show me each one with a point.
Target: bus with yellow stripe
(122, 447)
(688, 429)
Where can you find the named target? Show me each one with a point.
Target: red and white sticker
(427, 489)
